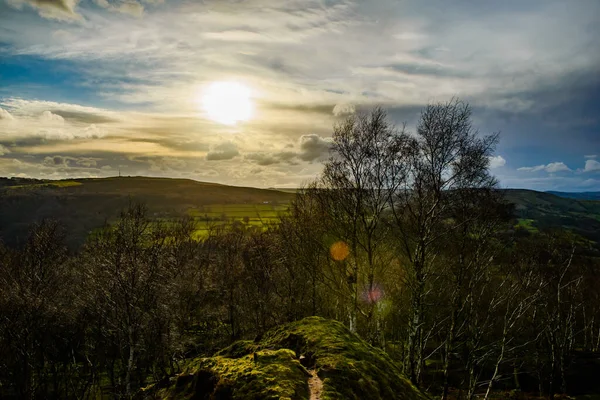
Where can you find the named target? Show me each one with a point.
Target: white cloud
(5, 115)
(343, 109)
(130, 7)
(557, 167)
(48, 116)
(591, 156)
(93, 131)
(497, 162)
(550, 168)
(591, 165)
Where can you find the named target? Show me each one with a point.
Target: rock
(340, 366)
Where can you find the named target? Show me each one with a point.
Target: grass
(528, 224)
(249, 215)
(58, 184)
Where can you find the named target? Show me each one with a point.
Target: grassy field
(83, 205)
(57, 184)
(528, 224)
(259, 215)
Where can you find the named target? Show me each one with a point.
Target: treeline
(403, 237)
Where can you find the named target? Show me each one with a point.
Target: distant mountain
(577, 195)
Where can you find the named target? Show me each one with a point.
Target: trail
(315, 385)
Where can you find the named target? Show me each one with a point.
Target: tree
(355, 187)
(447, 155)
(127, 278)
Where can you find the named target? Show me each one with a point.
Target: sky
(89, 88)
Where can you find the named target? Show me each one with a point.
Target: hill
(314, 358)
(577, 195)
(542, 210)
(83, 205)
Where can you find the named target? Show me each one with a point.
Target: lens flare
(339, 251)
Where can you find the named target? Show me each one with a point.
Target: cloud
(262, 158)
(313, 147)
(343, 109)
(87, 162)
(550, 168)
(223, 151)
(130, 7)
(5, 115)
(591, 165)
(591, 156)
(51, 9)
(56, 161)
(497, 162)
(93, 131)
(48, 116)
(3, 150)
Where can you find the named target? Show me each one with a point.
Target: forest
(405, 238)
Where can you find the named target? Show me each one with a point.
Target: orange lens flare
(339, 251)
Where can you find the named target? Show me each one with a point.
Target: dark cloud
(179, 144)
(223, 151)
(54, 9)
(325, 109)
(67, 161)
(64, 5)
(56, 161)
(84, 117)
(313, 147)
(426, 70)
(262, 158)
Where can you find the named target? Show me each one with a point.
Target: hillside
(314, 358)
(577, 195)
(83, 205)
(540, 210)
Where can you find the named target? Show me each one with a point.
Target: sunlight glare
(227, 102)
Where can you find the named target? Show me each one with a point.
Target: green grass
(249, 215)
(58, 184)
(527, 224)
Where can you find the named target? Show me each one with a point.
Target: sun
(227, 102)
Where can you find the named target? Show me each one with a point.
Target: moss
(266, 374)
(274, 367)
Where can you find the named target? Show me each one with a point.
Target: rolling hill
(83, 205)
(542, 210)
(577, 195)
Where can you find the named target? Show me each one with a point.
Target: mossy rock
(272, 368)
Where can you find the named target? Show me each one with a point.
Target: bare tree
(446, 155)
(356, 182)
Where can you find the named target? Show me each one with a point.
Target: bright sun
(227, 102)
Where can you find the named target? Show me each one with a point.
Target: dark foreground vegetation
(404, 239)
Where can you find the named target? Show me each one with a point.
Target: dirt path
(315, 385)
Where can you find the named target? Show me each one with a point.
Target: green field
(259, 215)
(528, 224)
(57, 184)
